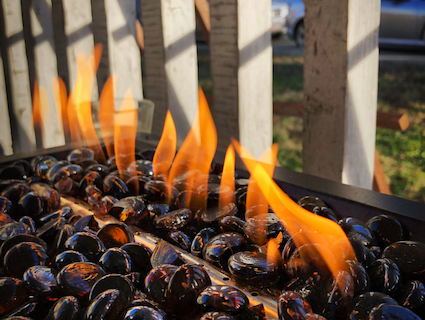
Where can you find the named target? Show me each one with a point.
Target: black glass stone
(412, 296)
(114, 186)
(25, 165)
(42, 280)
(339, 297)
(231, 224)
(115, 260)
(115, 235)
(252, 267)
(12, 172)
(365, 303)
(42, 166)
(108, 305)
(164, 253)
(262, 227)
(156, 282)
(113, 281)
(89, 245)
(392, 312)
(29, 223)
(386, 230)
(79, 154)
(99, 168)
(66, 308)
(360, 277)
(136, 185)
(65, 232)
(174, 220)
(223, 298)
(15, 191)
(356, 229)
(310, 202)
(56, 167)
(143, 313)
(219, 249)
(78, 278)
(140, 258)
(215, 315)
(291, 305)
(68, 257)
(200, 240)
(384, 276)
(13, 293)
(179, 239)
(408, 255)
(49, 230)
(5, 207)
(132, 211)
(11, 229)
(22, 256)
(17, 239)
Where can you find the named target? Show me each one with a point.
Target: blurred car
(280, 9)
(402, 22)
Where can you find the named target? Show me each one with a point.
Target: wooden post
(340, 89)
(46, 71)
(124, 54)
(170, 62)
(79, 34)
(20, 104)
(5, 134)
(241, 67)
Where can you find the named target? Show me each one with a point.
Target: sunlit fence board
(340, 89)
(241, 67)
(171, 62)
(20, 103)
(5, 134)
(124, 54)
(46, 71)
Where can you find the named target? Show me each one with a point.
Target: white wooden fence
(40, 39)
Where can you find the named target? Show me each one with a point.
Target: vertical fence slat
(46, 70)
(5, 134)
(124, 54)
(79, 34)
(241, 67)
(20, 104)
(171, 62)
(340, 89)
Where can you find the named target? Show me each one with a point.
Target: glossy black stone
(366, 302)
(132, 211)
(340, 292)
(185, 285)
(66, 308)
(179, 239)
(90, 178)
(49, 230)
(327, 213)
(62, 212)
(408, 255)
(141, 168)
(360, 277)
(215, 315)
(231, 224)
(157, 189)
(41, 166)
(200, 240)
(385, 276)
(412, 296)
(115, 235)
(309, 203)
(156, 282)
(12, 241)
(102, 206)
(107, 305)
(42, 280)
(13, 293)
(115, 260)
(12, 229)
(29, 223)
(113, 281)
(143, 313)
(292, 306)
(65, 232)
(356, 229)
(15, 191)
(25, 165)
(68, 257)
(114, 186)
(386, 230)
(22, 256)
(392, 312)
(252, 267)
(78, 278)
(174, 220)
(85, 223)
(89, 245)
(99, 168)
(136, 185)
(363, 254)
(5, 219)
(140, 258)
(262, 227)
(79, 154)
(5, 207)
(223, 298)
(12, 172)
(164, 253)
(211, 215)
(219, 249)
(56, 167)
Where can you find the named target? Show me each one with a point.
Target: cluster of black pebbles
(56, 264)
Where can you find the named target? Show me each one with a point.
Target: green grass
(401, 89)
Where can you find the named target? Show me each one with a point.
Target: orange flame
(319, 230)
(81, 96)
(255, 200)
(197, 150)
(166, 149)
(61, 101)
(106, 114)
(125, 129)
(41, 112)
(228, 178)
(273, 253)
